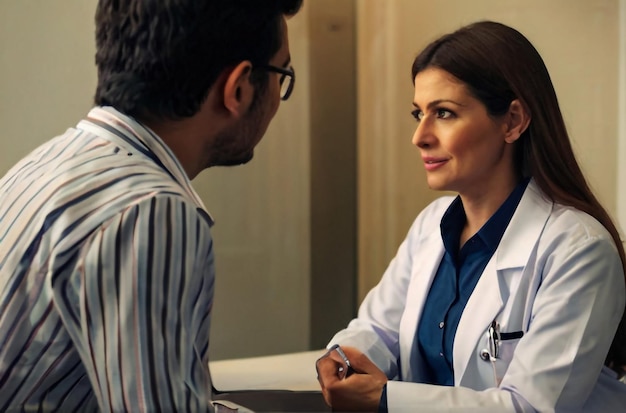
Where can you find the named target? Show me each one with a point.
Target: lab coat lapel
(493, 289)
(426, 263)
(525, 228)
(482, 307)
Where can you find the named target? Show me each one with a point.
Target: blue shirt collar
(491, 232)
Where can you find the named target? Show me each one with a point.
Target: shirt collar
(494, 228)
(451, 226)
(491, 232)
(106, 120)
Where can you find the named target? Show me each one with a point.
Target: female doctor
(507, 297)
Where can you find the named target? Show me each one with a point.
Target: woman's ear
(238, 90)
(517, 121)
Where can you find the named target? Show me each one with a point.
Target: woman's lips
(433, 163)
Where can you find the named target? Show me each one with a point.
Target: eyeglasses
(287, 79)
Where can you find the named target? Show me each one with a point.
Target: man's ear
(238, 91)
(517, 121)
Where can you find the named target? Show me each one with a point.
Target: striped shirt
(106, 275)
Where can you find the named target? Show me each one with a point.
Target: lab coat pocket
(505, 355)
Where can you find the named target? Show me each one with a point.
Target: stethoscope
(494, 339)
(493, 343)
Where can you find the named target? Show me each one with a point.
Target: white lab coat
(556, 276)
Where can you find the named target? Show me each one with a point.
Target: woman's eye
(417, 114)
(444, 114)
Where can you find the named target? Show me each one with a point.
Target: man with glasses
(287, 79)
(106, 255)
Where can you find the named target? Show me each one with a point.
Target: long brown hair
(498, 64)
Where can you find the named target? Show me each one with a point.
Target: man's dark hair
(159, 58)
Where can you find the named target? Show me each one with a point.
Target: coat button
(441, 324)
(484, 354)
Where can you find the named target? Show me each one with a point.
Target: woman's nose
(422, 137)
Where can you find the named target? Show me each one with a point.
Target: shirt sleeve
(138, 306)
(382, 405)
(376, 329)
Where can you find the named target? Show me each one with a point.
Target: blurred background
(308, 227)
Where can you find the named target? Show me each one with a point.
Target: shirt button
(441, 324)
(441, 354)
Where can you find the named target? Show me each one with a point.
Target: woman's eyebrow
(438, 102)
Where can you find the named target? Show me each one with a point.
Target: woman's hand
(359, 391)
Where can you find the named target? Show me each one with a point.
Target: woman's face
(462, 147)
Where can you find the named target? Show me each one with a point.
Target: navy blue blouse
(453, 284)
(456, 277)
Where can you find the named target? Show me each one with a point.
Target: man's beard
(236, 145)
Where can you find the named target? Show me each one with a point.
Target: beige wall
(262, 231)
(579, 42)
(285, 233)
(621, 153)
(47, 71)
